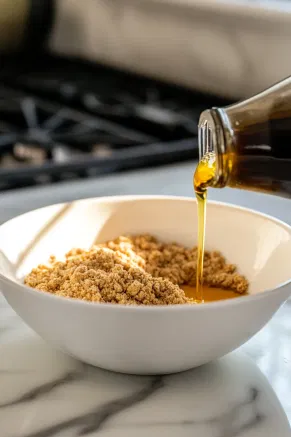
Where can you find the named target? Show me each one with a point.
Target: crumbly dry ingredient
(136, 270)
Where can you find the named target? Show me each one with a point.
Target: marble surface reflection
(44, 393)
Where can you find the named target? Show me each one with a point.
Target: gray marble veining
(44, 393)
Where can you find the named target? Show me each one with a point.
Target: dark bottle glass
(252, 141)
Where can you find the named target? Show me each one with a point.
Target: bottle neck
(215, 136)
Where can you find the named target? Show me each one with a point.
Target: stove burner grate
(63, 119)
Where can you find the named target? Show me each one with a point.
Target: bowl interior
(259, 245)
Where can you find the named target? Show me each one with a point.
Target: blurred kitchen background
(94, 87)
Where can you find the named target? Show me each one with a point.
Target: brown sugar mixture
(137, 270)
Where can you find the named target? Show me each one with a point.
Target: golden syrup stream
(204, 175)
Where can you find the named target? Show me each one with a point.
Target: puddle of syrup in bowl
(210, 294)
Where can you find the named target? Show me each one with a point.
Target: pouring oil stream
(203, 176)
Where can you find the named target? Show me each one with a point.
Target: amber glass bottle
(251, 141)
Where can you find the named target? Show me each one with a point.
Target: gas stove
(65, 119)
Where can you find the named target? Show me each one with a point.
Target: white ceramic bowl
(146, 340)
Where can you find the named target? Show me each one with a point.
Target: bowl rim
(149, 308)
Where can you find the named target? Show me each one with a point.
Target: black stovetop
(62, 119)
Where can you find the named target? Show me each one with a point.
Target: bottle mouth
(211, 144)
(206, 134)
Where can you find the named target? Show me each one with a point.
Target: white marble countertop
(44, 393)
